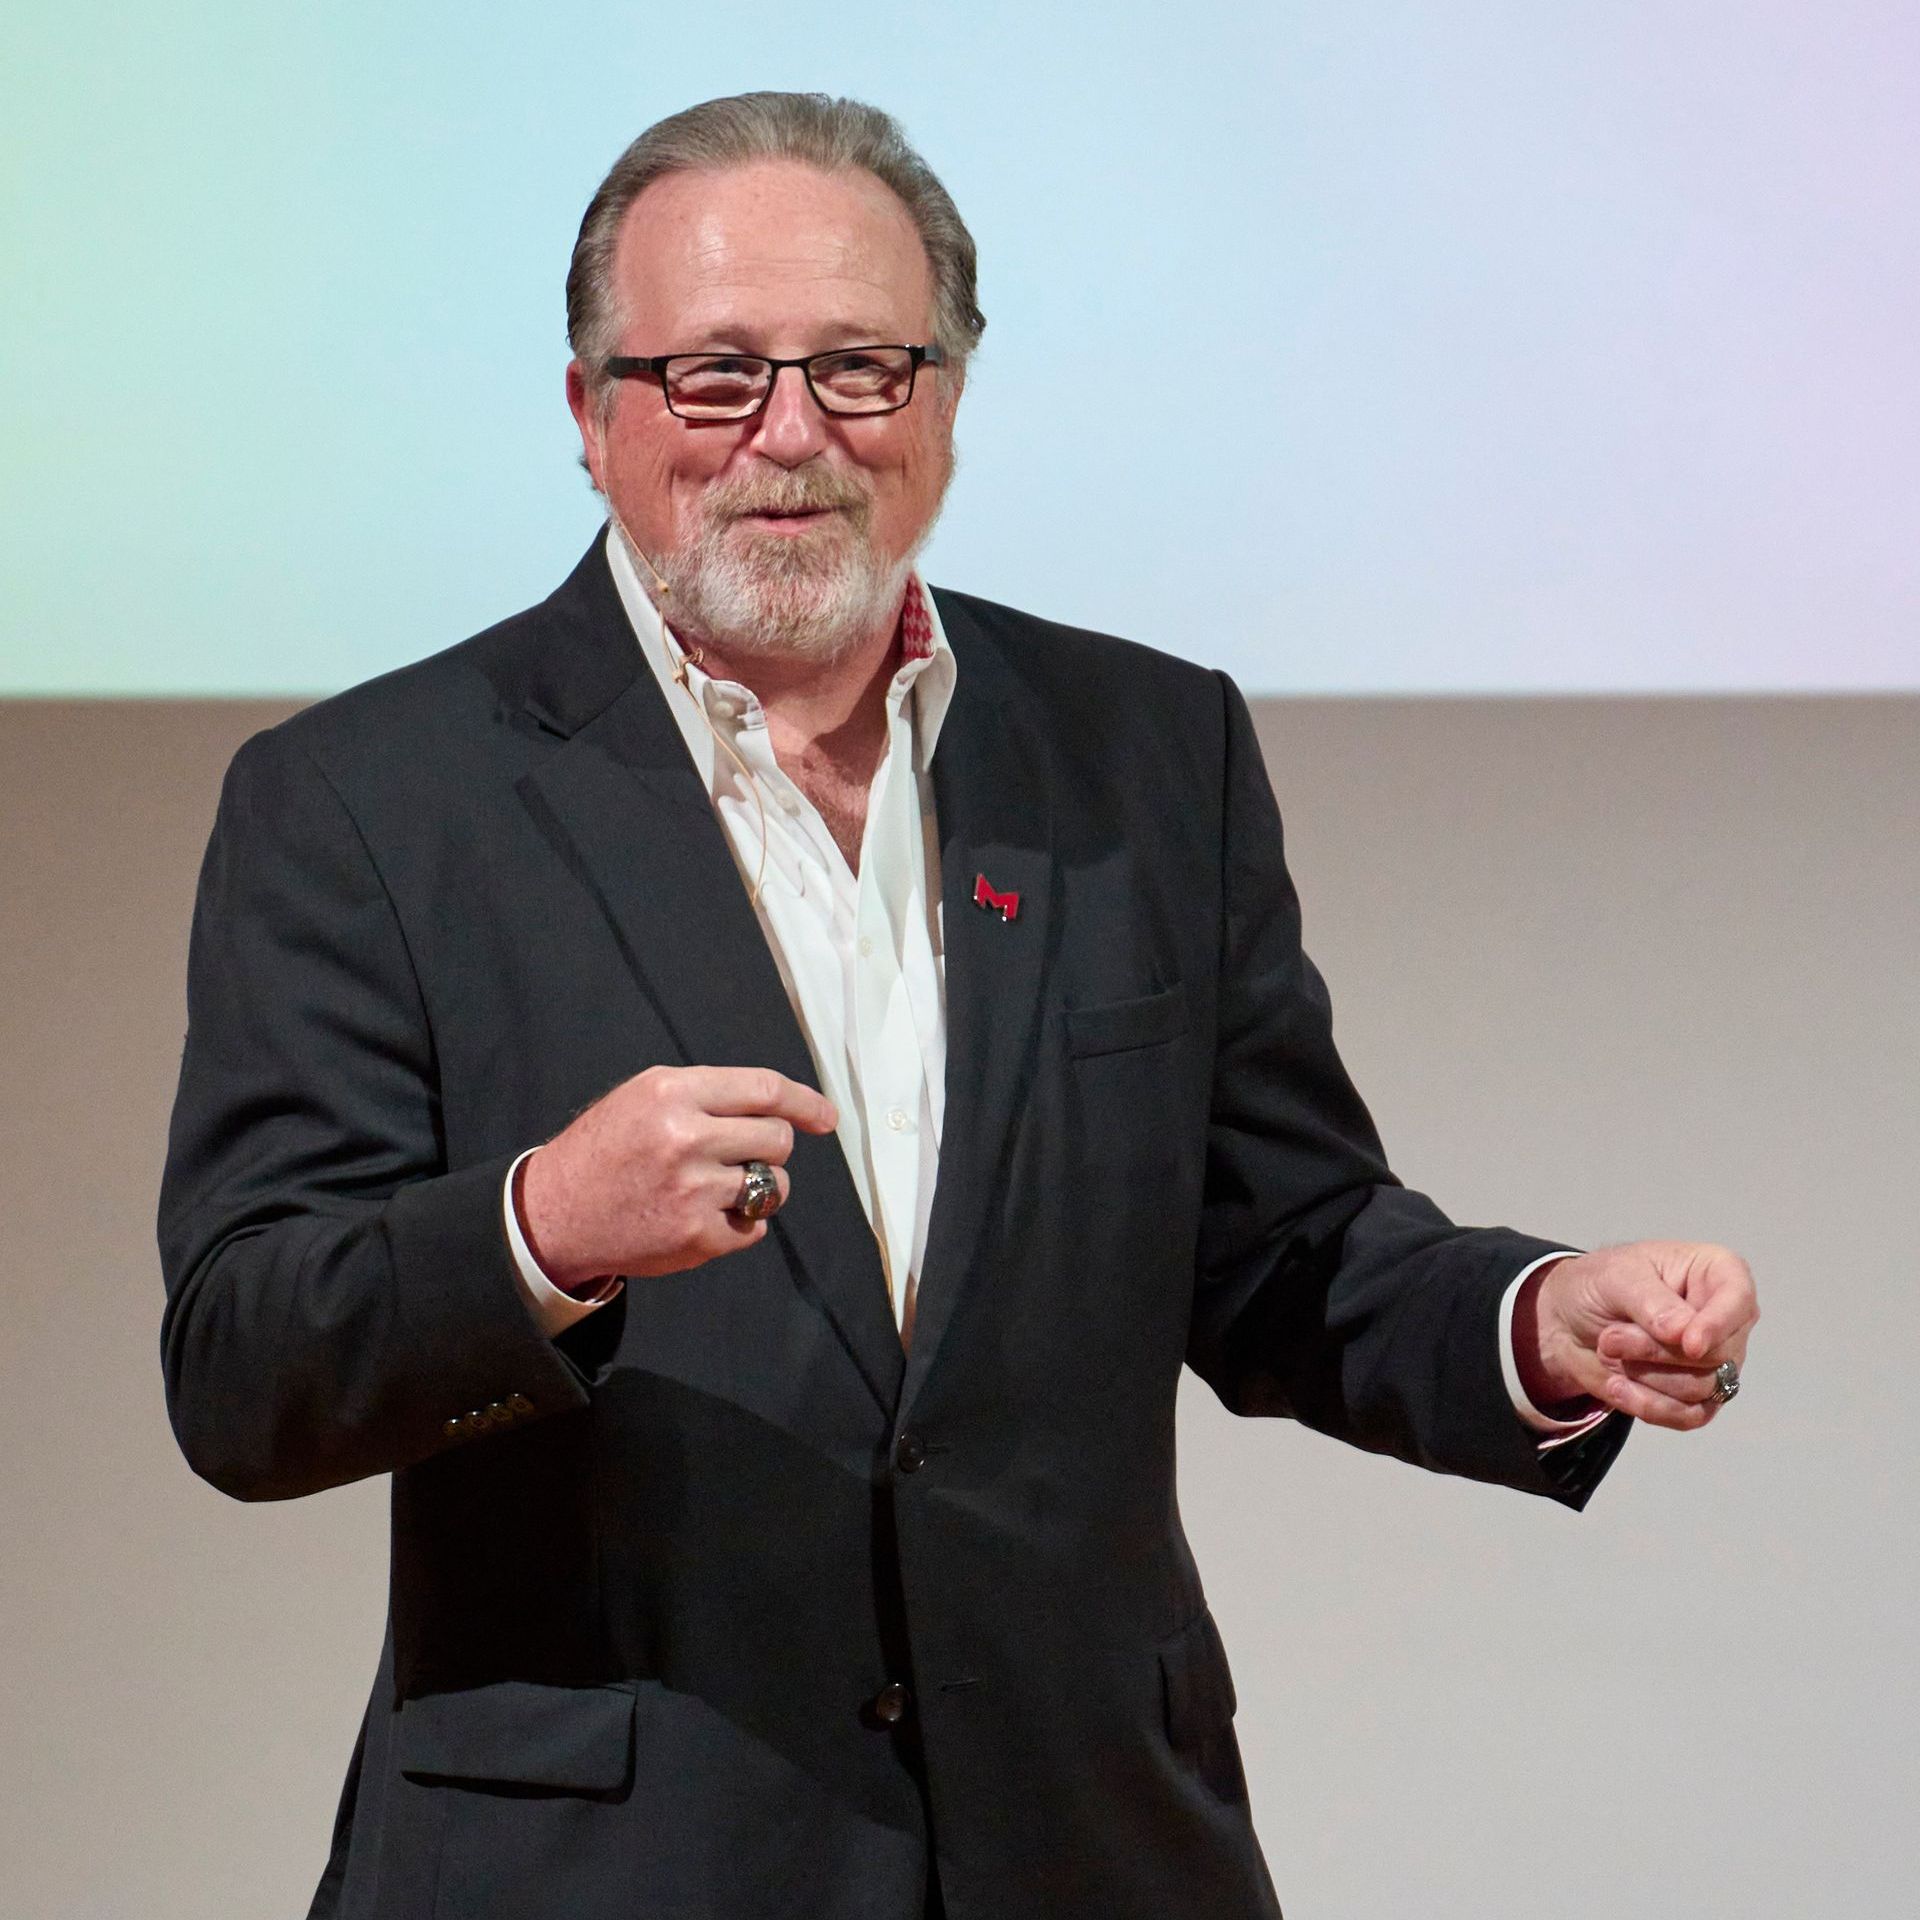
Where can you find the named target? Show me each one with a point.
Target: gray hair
(834, 135)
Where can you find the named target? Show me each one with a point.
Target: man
(742, 1086)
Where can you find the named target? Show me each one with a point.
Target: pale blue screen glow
(1573, 345)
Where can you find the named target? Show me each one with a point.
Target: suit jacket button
(520, 1403)
(892, 1704)
(501, 1411)
(909, 1453)
(479, 1419)
(454, 1428)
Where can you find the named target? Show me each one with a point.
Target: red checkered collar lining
(916, 623)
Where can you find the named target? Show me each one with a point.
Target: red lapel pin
(1007, 905)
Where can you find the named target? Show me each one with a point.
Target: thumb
(1642, 1294)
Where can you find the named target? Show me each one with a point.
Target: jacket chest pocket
(1122, 1125)
(1122, 1026)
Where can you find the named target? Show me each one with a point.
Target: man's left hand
(1642, 1328)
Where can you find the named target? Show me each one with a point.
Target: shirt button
(898, 1121)
(866, 948)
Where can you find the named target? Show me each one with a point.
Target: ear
(581, 404)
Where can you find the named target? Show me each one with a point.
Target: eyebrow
(723, 339)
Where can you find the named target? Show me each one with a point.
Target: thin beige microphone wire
(691, 657)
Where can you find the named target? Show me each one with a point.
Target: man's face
(795, 525)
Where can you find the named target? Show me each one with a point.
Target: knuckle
(656, 1095)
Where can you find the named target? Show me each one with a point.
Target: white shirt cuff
(1555, 1433)
(554, 1310)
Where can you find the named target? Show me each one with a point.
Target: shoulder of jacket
(1052, 655)
(440, 709)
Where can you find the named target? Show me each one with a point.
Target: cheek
(910, 483)
(655, 481)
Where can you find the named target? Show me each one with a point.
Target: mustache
(800, 491)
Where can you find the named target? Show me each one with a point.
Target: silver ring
(759, 1191)
(1726, 1382)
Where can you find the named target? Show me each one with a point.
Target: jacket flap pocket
(1199, 1687)
(1121, 1024)
(521, 1731)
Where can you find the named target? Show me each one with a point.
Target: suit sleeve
(1325, 1289)
(340, 1302)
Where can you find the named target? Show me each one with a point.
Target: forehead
(772, 246)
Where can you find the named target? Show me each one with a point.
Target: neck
(828, 730)
(837, 707)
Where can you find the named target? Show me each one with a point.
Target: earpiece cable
(678, 668)
(692, 658)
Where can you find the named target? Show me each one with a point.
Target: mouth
(787, 520)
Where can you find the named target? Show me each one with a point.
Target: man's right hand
(644, 1181)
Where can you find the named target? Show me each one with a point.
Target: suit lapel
(621, 804)
(992, 794)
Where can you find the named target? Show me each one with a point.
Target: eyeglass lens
(721, 386)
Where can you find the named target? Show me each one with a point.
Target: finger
(1657, 1409)
(734, 1233)
(759, 1091)
(729, 1181)
(728, 1231)
(1627, 1345)
(1652, 1305)
(734, 1142)
(1724, 1293)
(1688, 1385)
(1624, 1342)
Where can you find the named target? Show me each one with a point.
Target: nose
(790, 429)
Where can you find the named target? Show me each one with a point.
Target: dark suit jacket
(719, 1606)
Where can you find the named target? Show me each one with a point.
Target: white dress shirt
(861, 956)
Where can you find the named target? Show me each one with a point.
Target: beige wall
(1604, 968)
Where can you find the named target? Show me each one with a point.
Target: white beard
(818, 597)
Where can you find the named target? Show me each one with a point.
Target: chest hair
(840, 797)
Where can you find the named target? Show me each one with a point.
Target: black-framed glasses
(735, 386)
